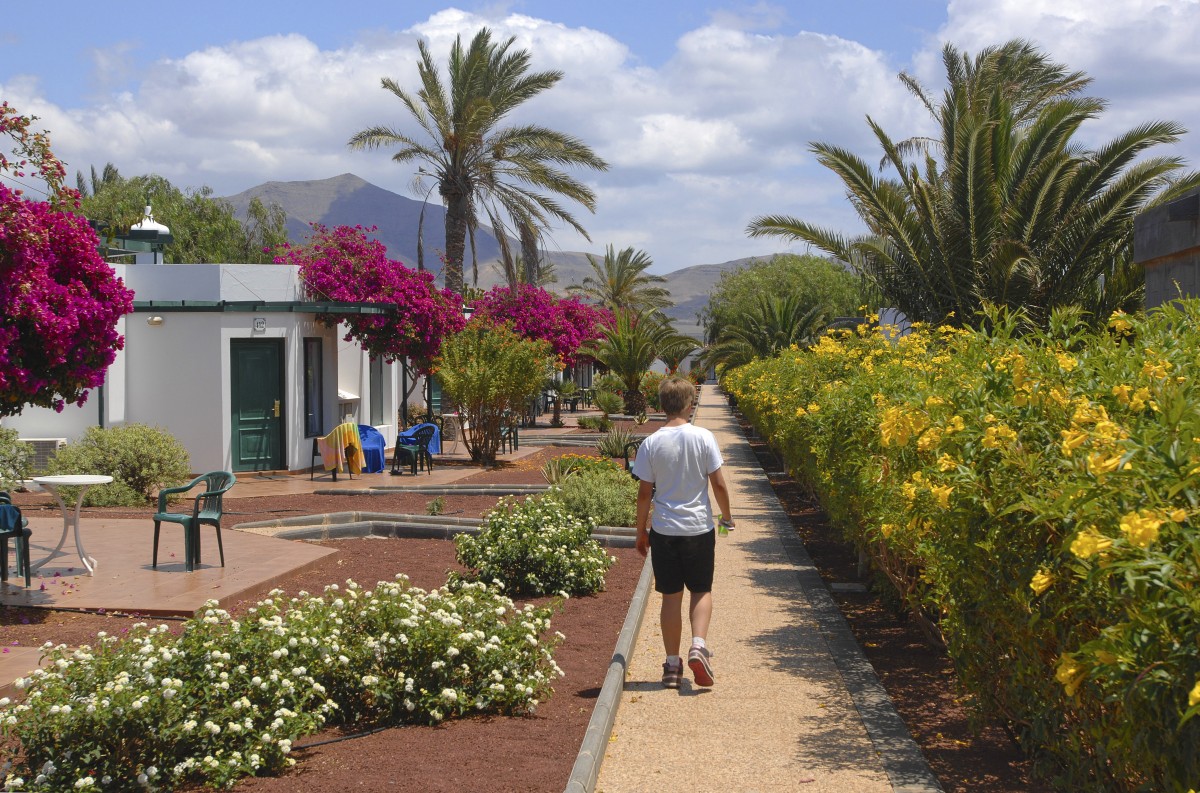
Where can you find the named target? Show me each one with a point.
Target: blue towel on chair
(10, 519)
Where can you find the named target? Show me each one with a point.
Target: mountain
(348, 200)
(352, 201)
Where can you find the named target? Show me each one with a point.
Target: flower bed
(228, 697)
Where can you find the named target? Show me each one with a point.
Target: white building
(230, 359)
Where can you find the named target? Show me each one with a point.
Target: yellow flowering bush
(1031, 495)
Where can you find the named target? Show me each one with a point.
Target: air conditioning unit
(44, 450)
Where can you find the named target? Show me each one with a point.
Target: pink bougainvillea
(344, 264)
(60, 302)
(32, 151)
(537, 314)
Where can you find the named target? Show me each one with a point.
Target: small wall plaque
(260, 324)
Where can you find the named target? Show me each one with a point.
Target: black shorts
(682, 561)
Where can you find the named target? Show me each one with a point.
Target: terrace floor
(124, 580)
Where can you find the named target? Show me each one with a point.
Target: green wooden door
(257, 400)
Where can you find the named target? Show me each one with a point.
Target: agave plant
(614, 441)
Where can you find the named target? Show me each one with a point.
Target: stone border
(599, 730)
(348, 525)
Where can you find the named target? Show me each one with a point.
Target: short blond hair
(675, 395)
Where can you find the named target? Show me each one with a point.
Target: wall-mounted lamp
(468, 311)
(155, 320)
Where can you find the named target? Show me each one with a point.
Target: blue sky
(703, 109)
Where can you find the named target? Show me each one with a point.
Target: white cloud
(698, 147)
(1142, 54)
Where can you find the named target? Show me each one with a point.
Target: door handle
(276, 408)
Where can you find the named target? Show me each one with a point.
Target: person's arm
(721, 491)
(645, 492)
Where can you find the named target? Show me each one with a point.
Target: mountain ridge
(348, 199)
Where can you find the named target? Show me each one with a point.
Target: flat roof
(260, 306)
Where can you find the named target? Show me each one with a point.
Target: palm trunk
(458, 210)
(529, 254)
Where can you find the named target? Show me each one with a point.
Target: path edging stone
(599, 730)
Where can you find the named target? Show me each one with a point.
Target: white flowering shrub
(229, 698)
(536, 547)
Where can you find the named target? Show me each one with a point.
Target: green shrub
(599, 423)
(141, 459)
(609, 382)
(14, 459)
(1035, 495)
(649, 388)
(557, 469)
(606, 496)
(535, 548)
(490, 372)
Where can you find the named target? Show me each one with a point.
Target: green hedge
(1034, 495)
(141, 459)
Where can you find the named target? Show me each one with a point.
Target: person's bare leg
(671, 618)
(700, 613)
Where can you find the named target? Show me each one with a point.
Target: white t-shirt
(678, 460)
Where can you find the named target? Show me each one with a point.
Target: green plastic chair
(510, 432)
(415, 453)
(206, 509)
(13, 525)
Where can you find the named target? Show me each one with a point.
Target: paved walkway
(796, 706)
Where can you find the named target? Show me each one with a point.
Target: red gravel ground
(537, 753)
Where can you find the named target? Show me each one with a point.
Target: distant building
(1166, 241)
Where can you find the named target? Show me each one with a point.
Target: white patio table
(459, 426)
(83, 482)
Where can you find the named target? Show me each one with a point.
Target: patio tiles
(125, 581)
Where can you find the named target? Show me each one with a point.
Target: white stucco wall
(177, 374)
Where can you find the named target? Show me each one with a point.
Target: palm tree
(1003, 207)
(674, 349)
(775, 323)
(516, 272)
(620, 280)
(628, 347)
(109, 176)
(481, 168)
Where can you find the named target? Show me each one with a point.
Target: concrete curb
(344, 525)
(591, 751)
(436, 490)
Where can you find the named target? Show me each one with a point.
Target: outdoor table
(459, 425)
(83, 482)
